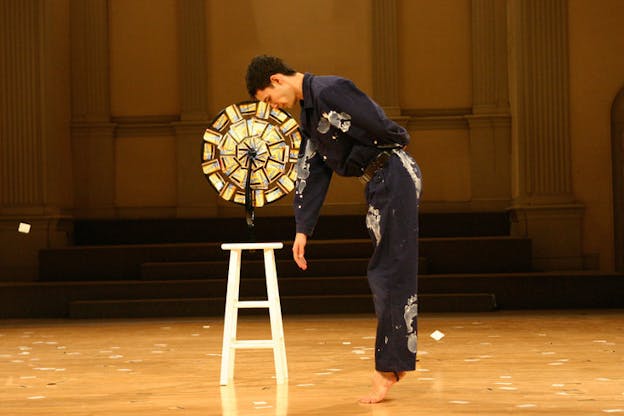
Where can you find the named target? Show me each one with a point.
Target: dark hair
(260, 70)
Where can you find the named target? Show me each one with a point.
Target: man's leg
(393, 269)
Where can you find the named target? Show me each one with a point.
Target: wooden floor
(524, 363)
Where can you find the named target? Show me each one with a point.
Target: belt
(374, 166)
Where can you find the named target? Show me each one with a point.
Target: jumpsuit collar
(308, 100)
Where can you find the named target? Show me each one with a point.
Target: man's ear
(277, 78)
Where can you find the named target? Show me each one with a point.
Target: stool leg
(275, 313)
(281, 408)
(228, 400)
(231, 318)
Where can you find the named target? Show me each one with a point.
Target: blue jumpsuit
(344, 131)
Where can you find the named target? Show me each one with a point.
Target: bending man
(348, 133)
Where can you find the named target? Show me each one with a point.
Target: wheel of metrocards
(251, 138)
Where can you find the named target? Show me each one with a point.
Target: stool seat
(232, 304)
(250, 246)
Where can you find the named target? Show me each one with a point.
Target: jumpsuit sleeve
(369, 124)
(311, 188)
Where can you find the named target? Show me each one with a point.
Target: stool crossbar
(232, 304)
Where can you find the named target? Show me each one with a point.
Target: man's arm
(310, 194)
(369, 125)
(313, 178)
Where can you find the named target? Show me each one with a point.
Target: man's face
(279, 94)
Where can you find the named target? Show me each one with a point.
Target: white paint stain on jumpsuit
(373, 219)
(411, 312)
(410, 165)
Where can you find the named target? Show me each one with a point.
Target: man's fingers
(299, 251)
(300, 259)
(302, 263)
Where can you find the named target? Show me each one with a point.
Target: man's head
(268, 79)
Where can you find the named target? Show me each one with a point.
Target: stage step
(255, 269)
(549, 290)
(251, 269)
(143, 308)
(443, 255)
(329, 227)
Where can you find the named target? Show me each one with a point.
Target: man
(347, 133)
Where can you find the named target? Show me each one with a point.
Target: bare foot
(382, 381)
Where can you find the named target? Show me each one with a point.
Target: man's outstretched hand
(299, 250)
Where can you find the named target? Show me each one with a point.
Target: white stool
(232, 304)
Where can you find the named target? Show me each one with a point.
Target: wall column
(93, 140)
(617, 154)
(195, 198)
(490, 126)
(385, 61)
(543, 207)
(35, 173)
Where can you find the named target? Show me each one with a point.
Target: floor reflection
(230, 406)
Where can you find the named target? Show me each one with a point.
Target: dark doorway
(617, 147)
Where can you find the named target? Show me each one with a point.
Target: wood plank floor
(521, 363)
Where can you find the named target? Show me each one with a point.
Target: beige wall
(143, 58)
(435, 76)
(434, 54)
(145, 172)
(56, 101)
(434, 72)
(443, 157)
(322, 36)
(36, 185)
(435, 91)
(144, 72)
(596, 76)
